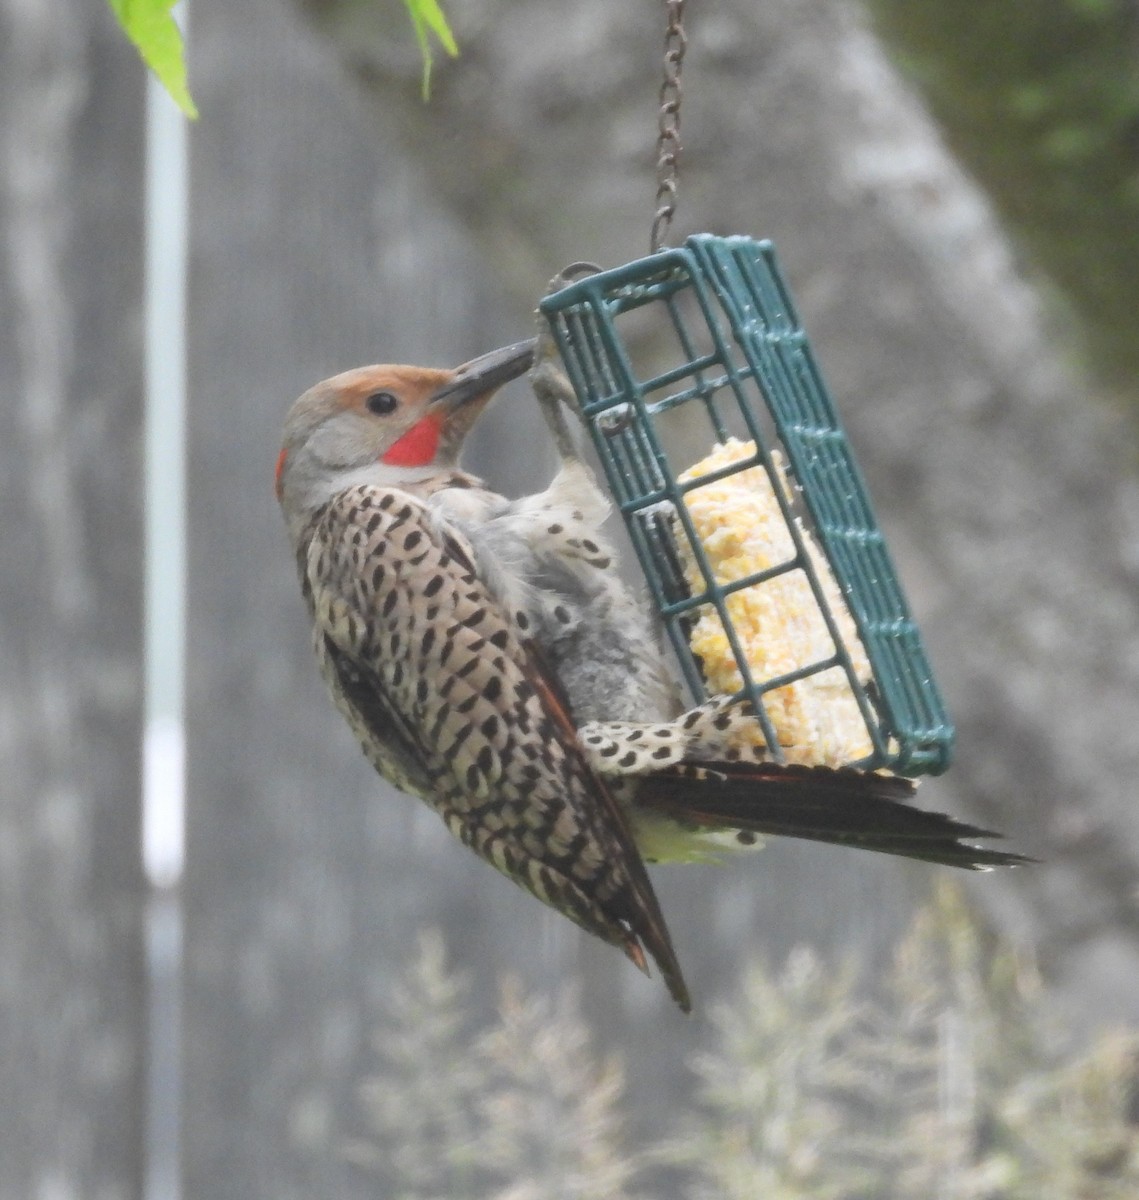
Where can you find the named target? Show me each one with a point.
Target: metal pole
(163, 800)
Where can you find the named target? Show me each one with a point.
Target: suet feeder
(742, 374)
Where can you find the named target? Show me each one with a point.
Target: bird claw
(548, 377)
(568, 274)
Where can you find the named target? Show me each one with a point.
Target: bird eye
(382, 403)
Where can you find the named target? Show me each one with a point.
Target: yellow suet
(779, 624)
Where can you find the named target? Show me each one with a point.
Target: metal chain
(668, 143)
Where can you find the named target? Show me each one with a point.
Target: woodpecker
(492, 662)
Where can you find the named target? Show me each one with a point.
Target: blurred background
(954, 193)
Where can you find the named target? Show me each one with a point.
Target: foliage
(1041, 101)
(551, 1129)
(427, 18)
(953, 1082)
(420, 1108)
(150, 25)
(769, 1122)
(521, 1112)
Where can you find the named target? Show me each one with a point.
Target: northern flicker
(491, 661)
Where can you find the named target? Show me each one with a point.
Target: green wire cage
(741, 367)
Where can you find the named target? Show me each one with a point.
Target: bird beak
(484, 374)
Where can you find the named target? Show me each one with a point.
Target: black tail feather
(842, 807)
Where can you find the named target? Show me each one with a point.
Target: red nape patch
(418, 446)
(279, 471)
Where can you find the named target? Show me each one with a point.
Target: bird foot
(548, 377)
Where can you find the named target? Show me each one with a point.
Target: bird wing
(440, 680)
(362, 698)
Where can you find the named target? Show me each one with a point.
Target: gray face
(342, 431)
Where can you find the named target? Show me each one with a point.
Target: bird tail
(844, 807)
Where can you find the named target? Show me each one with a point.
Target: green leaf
(427, 18)
(151, 27)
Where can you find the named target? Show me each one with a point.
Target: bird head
(391, 426)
